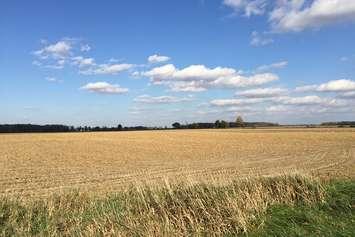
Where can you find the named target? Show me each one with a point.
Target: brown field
(40, 164)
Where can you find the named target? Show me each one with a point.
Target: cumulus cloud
(58, 50)
(258, 39)
(67, 52)
(298, 15)
(193, 72)
(158, 58)
(187, 86)
(283, 104)
(54, 56)
(263, 92)
(306, 88)
(277, 65)
(104, 88)
(103, 69)
(303, 100)
(248, 7)
(311, 100)
(337, 85)
(147, 99)
(295, 15)
(239, 81)
(197, 78)
(331, 86)
(83, 62)
(348, 95)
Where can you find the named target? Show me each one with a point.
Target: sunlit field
(178, 183)
(42, 164)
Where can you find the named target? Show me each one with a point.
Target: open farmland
(40, 164)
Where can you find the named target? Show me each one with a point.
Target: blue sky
(156, 62)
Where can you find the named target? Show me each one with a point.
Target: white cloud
(277, 109)
(54, 55)
(298, 15)
(249, 7)
(350, 94)
(258, 39)
(306, 88)
(58, 50)
(283, 104)
(201, 72)
(277, 65)
(337, 85)
(157, 58)
(147, 99)
(104, 88)
(197, 78)
(85, 48)
(236, 102)
(331, 86)
(305, 110)
(165, 72)
(263, 92)
(239, 81)
(83, 62)
(190, 73)
(311, 100)
(241, 109)
(304, 100)
(65, 51)
(187, 86)
(111, 69)
(295, 15)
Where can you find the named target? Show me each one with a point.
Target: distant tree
(221, 124)
(224, 124)
(195, 126)
(240, 122)
(176, 125)
(119, 127)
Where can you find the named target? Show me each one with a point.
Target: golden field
(41, 164)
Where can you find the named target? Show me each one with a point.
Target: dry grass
(177, 209)
(40, 164)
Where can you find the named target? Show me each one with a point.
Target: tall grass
(170, 209)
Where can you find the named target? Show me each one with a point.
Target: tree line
(23, 128)
(218, 124)
(239, 123)
(340, 124)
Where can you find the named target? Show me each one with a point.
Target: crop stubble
(40, 164)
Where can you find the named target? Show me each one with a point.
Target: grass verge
(253, 206)
(333, 217)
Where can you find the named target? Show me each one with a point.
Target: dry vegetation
(40, 164)
(180, 209)
(177, 183)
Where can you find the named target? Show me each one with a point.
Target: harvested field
(40, 164)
